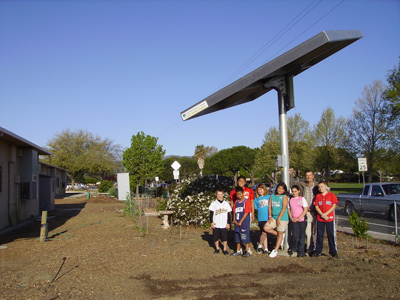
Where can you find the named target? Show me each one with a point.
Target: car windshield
(391, 189)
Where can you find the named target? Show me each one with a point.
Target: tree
(82, 153)
(230, 161)
(301, 143)
(265, 159)
(201, 152)
(143, 159)
(392, 93)
(329, 134)
(371, 128)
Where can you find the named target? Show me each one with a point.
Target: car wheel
(349, 208)
(391, 212)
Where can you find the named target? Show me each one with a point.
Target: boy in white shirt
(220, 219)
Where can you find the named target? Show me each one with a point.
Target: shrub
(359, 226)
(190, 200)
(113, 191)
(130, 208)
(105, 185)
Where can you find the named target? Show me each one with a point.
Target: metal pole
(395, 222)
(284, 138)
(284, 148)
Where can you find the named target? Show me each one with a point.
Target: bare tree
(371, 127)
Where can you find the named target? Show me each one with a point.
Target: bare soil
(95, 252)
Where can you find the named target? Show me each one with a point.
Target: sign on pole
(175, 165)
(362, 164)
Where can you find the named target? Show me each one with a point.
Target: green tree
(143, 159)
(329, 134)
(371, 128)
(301, 155)
(230, 161)
(82, 153)
(301, 144)
(392, 93)
(265, 159)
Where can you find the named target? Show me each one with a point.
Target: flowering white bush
(191, 199)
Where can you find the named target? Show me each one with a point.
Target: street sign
(362, 164)
(175, 165)
(176, 174)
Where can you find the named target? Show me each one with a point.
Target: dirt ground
(95, 252)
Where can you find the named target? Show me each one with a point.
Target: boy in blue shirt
(241, 218)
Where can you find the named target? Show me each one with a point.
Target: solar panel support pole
(284, 87)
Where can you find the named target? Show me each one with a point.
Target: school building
(27, 186)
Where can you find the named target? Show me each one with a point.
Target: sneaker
(259, 250)
(225, 252)
(316, 254)
(237, 253)
(250, 252)
(290, 252)
(216, 251)
(301, 255)
(335, 255)
(266, 251)
(246, 254)
(274, 253)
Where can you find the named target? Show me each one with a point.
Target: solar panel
(287, 65)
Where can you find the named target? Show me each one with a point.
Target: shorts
(261, 224)
(243, 236)
(282, 226)
(220, 234)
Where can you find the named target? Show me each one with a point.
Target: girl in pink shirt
(298, 208)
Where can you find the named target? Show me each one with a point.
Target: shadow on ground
(31, 228)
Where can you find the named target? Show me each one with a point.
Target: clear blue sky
(115, 68)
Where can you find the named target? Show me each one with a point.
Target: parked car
(375, 197)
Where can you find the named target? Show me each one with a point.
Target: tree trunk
(137, 190)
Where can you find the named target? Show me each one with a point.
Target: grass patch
(337, 188)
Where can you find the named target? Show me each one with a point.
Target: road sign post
(362, 166)
(175, 165)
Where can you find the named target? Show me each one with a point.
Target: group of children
(275, 212)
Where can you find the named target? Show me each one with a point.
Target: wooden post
(43, 229)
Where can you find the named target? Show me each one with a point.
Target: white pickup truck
(376, 197)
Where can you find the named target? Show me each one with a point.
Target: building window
(24, 191)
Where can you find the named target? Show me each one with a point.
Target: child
(220, 219)
(278, 216)
(261, 205)
(325, 204)
(298, 208)
(241, 210)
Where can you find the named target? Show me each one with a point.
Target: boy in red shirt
(325, 204)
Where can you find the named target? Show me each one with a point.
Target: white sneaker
(250, 252)
(273, 253)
